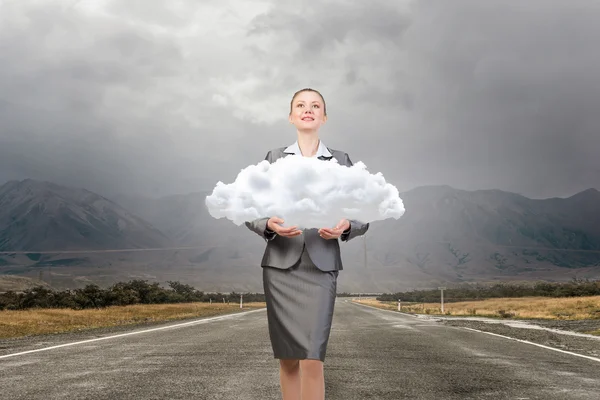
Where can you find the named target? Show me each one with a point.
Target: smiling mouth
(308, 119)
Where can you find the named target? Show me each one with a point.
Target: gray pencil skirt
(300, 302)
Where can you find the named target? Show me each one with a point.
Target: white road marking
(199, 321)
(515, 324)
(495, 334)
(537, 344)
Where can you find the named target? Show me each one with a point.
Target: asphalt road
(372, 354)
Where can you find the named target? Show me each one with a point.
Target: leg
(289, 379)
(313, 379)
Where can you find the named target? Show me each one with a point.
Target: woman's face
(307, 111)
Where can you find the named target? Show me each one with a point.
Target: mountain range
(69, 237)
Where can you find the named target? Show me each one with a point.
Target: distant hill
(466, 235)
(446, 235)
(43, 216)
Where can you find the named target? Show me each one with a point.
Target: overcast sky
(164, 97)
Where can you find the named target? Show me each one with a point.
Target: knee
(289, 365)
(311, 368)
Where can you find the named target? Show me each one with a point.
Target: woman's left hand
(334, 233)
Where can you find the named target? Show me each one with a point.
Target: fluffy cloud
(306, 192)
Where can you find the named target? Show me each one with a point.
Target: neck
(308, 143)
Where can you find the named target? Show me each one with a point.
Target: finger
(326, 235)
(288, 230)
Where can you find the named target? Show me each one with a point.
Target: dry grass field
(571, 308)
(52, 320)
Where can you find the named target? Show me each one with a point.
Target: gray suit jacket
(283, 252)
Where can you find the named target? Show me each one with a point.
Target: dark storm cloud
(160, 98)
(487, 94)
(86, 101)
(317, 29)
(516, 87)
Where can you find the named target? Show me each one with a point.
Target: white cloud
(306, 192)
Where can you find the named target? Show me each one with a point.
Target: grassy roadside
(564, 308)
(56, 320)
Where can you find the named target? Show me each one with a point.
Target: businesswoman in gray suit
(300, 268)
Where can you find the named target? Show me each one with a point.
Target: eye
(316, 105)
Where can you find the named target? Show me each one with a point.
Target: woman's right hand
(274, 224)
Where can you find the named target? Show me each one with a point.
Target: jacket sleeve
(259, 225)
(357, 228)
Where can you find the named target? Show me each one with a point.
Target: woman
(300, 269)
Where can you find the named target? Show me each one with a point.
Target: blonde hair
(308, 90)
